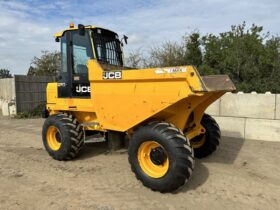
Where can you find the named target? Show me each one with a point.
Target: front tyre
(160, 156)
(205, 144)
(62, 136)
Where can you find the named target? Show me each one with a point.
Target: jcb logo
(112, 75)
(83, 89)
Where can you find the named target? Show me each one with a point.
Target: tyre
(62, 136)
(207, 143)
(160, 156)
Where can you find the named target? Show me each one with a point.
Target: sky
(27, 26)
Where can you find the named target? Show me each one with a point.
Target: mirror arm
(81, 29)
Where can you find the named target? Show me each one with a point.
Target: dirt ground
(240, 175)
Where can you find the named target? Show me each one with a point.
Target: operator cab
(78, 46)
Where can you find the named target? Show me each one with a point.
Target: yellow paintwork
(52, 141)
(143, 155)
(198, 144)
(176, 95)
(60, 34)
(67, 104)
(141, 95)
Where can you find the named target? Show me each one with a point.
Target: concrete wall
(7, 96)
(248, 115)
(277, 111)
(7, 89)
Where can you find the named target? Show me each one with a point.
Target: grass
(36, 112)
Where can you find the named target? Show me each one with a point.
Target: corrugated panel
(31, 91)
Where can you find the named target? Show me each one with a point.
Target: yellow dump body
(174, 94)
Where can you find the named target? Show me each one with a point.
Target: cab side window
(63, 54)
(81, 53)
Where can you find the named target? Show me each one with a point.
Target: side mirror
(81, 30)
(125, 38)
(57, 39)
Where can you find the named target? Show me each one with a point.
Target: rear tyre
(205, 144)
(62, 136)
(160, 156)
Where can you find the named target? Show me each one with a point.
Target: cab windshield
(107, 47)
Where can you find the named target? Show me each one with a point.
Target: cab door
(64, 77)
(76, 50)
(81, 53)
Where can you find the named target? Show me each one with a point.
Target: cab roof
(73, 28)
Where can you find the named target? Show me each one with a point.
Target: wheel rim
(53, 138)
(153, 159)
(198, 141)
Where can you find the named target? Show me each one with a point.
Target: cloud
(27, 26)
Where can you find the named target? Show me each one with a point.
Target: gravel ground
(240, 175)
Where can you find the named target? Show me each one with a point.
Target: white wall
(7, 96)
(7, 89)
(248, 115)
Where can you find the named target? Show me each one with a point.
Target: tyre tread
(213, 137)
(184, 155)
(76, 141)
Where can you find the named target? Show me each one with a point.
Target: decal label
(82, 89)
(112, 75)
(61, 84)
(76, 78)
(171, 70)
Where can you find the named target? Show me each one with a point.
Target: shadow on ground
(226, 153)
(91, 150)
(199, 177)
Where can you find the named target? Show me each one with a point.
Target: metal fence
(30, 91)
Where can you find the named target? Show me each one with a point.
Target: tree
(193, 55)
(248, 55)
(48, 64)
(168, 54)
(5, 73)
(135, 59)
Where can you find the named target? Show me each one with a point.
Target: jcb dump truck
(160, 110)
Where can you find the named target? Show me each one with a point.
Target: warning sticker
(171, 70)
